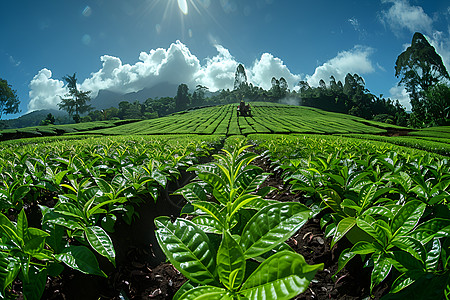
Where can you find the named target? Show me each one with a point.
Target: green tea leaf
(407, 217)
(230, 262)
(101, 242)
(284, 275)
(344, 226)
(188, 249)
(34, 287)
(380, 271)
(80, 258)
(211, 209)
(206, 293)
(208, 224)
(271, 226)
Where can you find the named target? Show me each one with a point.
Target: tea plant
(245, 229)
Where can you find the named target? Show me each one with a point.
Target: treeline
(350, 98)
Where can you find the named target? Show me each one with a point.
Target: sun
(183, 6)
(188, 11)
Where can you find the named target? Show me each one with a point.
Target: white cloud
(402, 15)
(218, 73)
(399, 93)
(174, 65)
(45, 92)
(441, 42)
(352, 61)
(268, 66)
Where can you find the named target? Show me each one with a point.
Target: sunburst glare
(183, 6)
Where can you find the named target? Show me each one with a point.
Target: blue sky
(124, 46)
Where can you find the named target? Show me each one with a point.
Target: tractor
(244, 109)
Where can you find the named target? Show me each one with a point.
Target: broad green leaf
(380, 271)
(80, 258)
(271, 226)
(433, 254)
(407, 217)
(55, 238)
(211, 209)
(367, 195)
(68, 209)
(332, 199)
(208, 224)
(206, 293)
(101, 242)
(410, 245)
(241, 201)
(187, 286)
(10, 233)
(35, 242)
(250, 180)
(284, 275)
(378, 210)
(363, 248)
(342, 228)
(373, 229)
(405, 262)
(70, 224)
(230, 262)
(104, 186)
(12, 270)
(345, 256)
(278, 248)
(22, 225)
(350, 208)
(218, 184)
(192, 192)
(401, 282)
(34, 287)
(160, 178)
(97, 208)
(427, 230)
(188, 248)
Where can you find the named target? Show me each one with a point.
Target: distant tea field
(266, 118)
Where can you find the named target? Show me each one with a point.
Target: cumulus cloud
(218, 72)
(401, 15)
(268, 66)
(353, 61)
(45, 92)
(174, 65)
(399, 93)
(441, 42)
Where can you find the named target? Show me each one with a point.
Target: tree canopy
(76, 102)
(420, 67)
(9, 102)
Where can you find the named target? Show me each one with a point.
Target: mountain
(34, 118)
(106, 99)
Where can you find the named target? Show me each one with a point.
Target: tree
(240, 77)
(49, 120)
(437, 104)
(76, 101)
(198, 97)
(419, 67)
(9, 102)
(182, 97)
